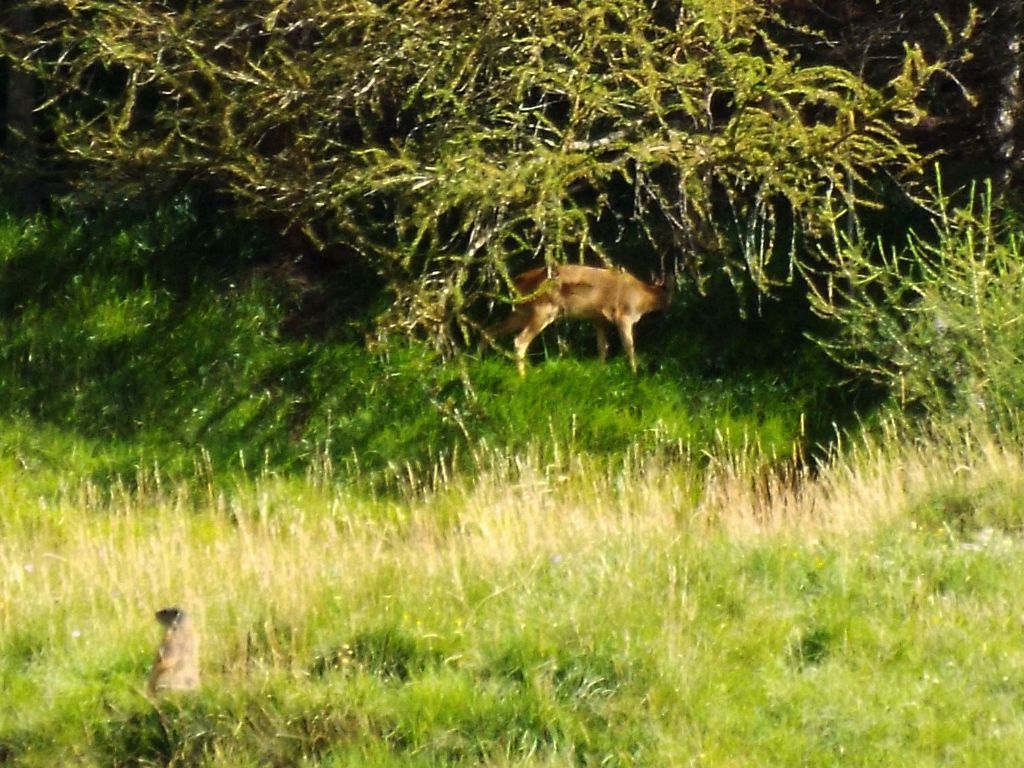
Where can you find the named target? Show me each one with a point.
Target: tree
(19, 136)
(975, 108)
(1006, 126)
(441, 142)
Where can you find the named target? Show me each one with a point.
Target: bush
(937, 321)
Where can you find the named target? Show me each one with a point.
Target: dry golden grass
(856, 489)
(662, 584)
(94, 564)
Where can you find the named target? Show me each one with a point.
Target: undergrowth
(125, 346)
(935, 319)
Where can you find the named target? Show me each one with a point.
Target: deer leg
(625, 327)
(602, 339)
(542, 316)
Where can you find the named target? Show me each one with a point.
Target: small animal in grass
(176, 667)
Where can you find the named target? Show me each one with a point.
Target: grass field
(675, 612)
(399, 560)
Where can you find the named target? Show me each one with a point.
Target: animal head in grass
(176, 667)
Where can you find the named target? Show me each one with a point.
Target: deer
(604, 296)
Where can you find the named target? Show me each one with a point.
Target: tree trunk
(1007, 120)
(20, 145)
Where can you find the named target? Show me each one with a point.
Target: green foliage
(103, 329)
(440, 144)
(937, 320)
(123, 348)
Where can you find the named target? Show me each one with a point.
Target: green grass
(651, 614)
(124, 346)
(398, 562)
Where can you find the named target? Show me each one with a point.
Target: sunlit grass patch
(537, 614)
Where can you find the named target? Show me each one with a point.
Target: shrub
(937, 321)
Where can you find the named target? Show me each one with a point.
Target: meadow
(572, 613)
(733, 558)
(248, 252)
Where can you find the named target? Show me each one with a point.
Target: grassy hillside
(170, 338)
(394, 561)
(570, 614)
